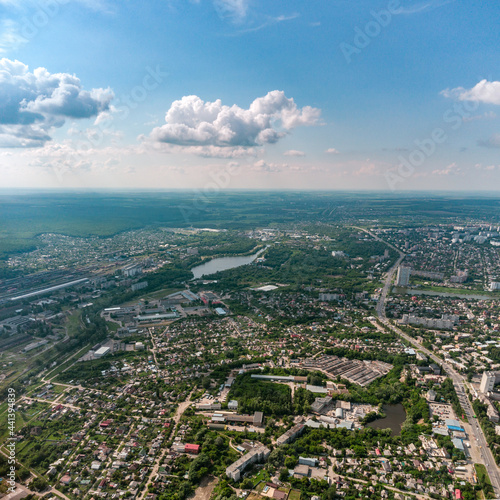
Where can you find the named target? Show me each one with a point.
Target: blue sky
(215, 94)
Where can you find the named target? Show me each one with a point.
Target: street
(479, 445)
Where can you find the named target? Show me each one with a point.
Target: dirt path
(204, 491)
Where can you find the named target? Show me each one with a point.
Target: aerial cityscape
(249, 249)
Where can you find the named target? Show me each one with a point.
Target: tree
(284, 474)
(38, 484)
(247, 484)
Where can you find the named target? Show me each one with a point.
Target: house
(192, 448)
(66, 479)
(105, 424)
(431, 395)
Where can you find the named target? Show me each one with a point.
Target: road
(154, 471)
(479, 445)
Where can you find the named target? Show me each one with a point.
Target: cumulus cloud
(294, 152)
(191, 121)
(332, 151)
(484, 91)
(33, 103)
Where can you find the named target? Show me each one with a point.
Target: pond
(394, 419)
(223, 264)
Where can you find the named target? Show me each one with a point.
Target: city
(249, 249)
(323, 360)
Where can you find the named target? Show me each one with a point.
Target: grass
(112, 326)
(73, 322)
(161, 293)
(456, 291)
(294, 495)
(22, 418)
(482, 473)
(73, 357)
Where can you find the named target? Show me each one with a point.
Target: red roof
(458, 494)
(192, 448)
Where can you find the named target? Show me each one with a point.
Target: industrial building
(102, 351)
(354, 370)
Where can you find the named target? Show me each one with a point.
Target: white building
(233, 405)
(403, 277)
(258, 454)
(132, 270)
(495, 285)
(488, 381)
(102, 351)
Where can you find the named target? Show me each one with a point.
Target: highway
(479, 445)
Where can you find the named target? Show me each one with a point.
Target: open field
(104, 214)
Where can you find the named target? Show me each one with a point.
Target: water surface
(223, 264)
(394, 419)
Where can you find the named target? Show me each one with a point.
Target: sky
(253, 94)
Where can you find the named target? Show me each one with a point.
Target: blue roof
(452, 422)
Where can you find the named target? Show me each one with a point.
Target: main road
(477, 440)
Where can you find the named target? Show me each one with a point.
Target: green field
(83, 214)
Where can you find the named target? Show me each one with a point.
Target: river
(223, 264)
(394, 419)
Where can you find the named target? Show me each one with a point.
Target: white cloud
(451, 169)
(491, 142)
(332, 151)
(10, 39)
(218, 152)
(236, 10)
(33, 103)
(422, 7)
(263, 166)
(294, 152)
(487, 168)
(191, 121)
(267, 22)
(488, 115)
(485, 92)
